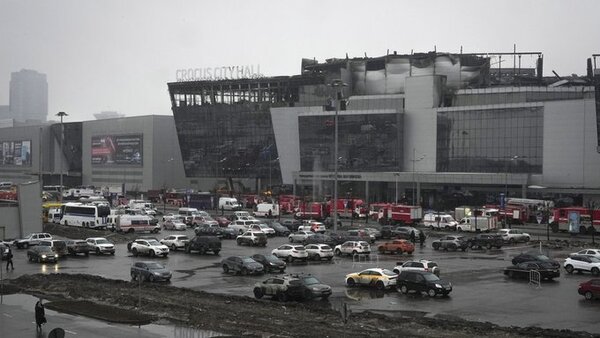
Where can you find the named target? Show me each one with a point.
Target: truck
(575, 219)
(347, 208)
(477, 224)
(229, 203)
(287, 203)
(202, 201)
(267, 210)
(438, 220)
(378, 211)
(404, 214)
(311, 210)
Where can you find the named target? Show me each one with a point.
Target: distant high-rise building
(28, 96)
(4, 112)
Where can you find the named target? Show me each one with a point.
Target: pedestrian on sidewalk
(9, 261)
(421, 238)
(40, 314)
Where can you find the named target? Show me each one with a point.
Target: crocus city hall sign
(218, 73)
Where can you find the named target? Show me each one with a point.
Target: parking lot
(481, 292)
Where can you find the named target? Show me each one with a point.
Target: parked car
(374, 277)
(242, 264)
(404, 232)
(590, 289)
(150, 271)
(534, 256)
(100, 245)
(204, 244)
(450, 243)
(297, 287)
(312, 287)
(174, 224)
(206, 229)
(514, 235)
(58, 246)
(328, 221)
(300, 236)
(175, 242)
(270, 262)
(420, 265)
(291, 252)
(373, 232)
(270, 232)
(291, 224)
(31, 240)
(588, 252)
(362, 234)
(353, 248)
(150, 247)
(488, 241)
(523, 270)
(387, 232)
(255, 238)
(41, 254)
(78, 246)
(320, 239)
(581, 263)
(397, 246)
(222, 221)
(422, 281)
(280, 230)
(319, 251)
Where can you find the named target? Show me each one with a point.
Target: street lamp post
(512, 158)
(414, 160)
(337, 85)
(62, 144)
(396, 176)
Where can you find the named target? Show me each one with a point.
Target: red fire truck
(404, 214)
(378, 211)
(569, 218)
(311, 210)
(513, 213)
(347, 208)
(288, 203)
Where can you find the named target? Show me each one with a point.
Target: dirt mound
(238, 316)
(83, 233)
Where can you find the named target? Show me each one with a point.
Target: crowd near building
(425, 128)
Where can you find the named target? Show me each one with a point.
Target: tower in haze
(28, 96)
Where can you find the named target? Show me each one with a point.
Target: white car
(149, 247)
(175, 241)
(174, 224)
(319, 251)
(300, 236)
(420, 265)
(514, 235)
(353, 248)
(32, 239)
(264, 228)
(588, 252)
(291, 252)
(581, 263)
(100, 245)
(376, 277)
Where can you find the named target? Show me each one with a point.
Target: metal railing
(535, 278)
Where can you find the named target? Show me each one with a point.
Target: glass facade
(367, 142)
(225, 140)
(491, 140)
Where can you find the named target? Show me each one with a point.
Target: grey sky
(119, 54)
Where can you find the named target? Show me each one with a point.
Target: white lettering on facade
(218, 73)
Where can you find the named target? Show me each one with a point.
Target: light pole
(414, 160)
(62, 143)
(512, 158)
(396, 177)
(338, 86)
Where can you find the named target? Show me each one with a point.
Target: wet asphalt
(480, 290)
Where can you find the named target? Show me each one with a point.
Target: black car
(312, 287)
(422, 281)
(339, 238)
(404, 232)
(535, 257)
(270, 262)
(205, 229)
(41, 254)
(280, 230)
(78, 246)
(387, 232)
(320, 239)
(243, 265)
(328, 221)
(485, 241)
(523, 270)
(291, 224)
(204, 244)
(150, 271)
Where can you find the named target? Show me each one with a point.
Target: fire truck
(347, 208)
(512, 213)
(311, 210)
(533, 206)
(403, 214)
(574, 219)
(288, 203)
(378, 211)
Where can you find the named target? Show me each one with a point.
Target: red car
(223, 222)
(397, 246)
(590, 289)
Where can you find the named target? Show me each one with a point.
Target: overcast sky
(119, 54)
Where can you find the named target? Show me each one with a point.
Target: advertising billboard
(117, 150)
(16, 153)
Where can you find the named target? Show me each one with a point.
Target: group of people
(413, 238)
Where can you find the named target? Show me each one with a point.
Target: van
(229, 203)
(439, 221)
(267, 210)
(136, 223)
(476, 224)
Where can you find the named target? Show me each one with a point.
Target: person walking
(9, 261)
(40, 314)
(412, 237)
(421, 238)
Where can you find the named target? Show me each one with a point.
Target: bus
(85, 215)
(51, 212)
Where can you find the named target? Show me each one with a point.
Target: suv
(150, 271)
(582, 263)
(292, 287)
(31, 240)
(149, 247)
(421, 281)
(203, 244)
(100, 245)
(397, 246)
(451, 243)
(422, 265)
(175, 241)
(514, 235)
(77, 246)
(59, 247)
(485, 240)
(353, 248)
(256, 238)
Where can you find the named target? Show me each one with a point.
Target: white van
(439, 221)
(135, 223)
(477, 224)
(229, 203)
(267, 210)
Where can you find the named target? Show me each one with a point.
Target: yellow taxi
(374, 277)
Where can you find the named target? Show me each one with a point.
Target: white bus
(84, 215)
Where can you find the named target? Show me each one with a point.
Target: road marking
(71, 332)
(7, 315)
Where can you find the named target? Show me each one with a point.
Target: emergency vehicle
(574, 219)
(404, 214)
